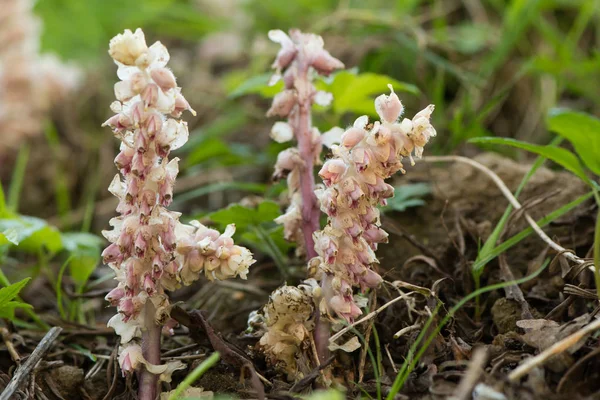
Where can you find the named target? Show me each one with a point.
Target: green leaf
(583, 131)
(31, 234)
(257, 84)
(356, 92)
(2, 203)
(8, 293)
(85, 254)
(258, 188)
(407, 196)
(274, 235)
(8, 310)
(559, 155)
(243, 216)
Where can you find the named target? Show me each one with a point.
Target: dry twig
(24, 370)
(6, 337)
(465, 388)
(553, 350)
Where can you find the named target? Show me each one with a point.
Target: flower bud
(283, 102)
(389, 108)
(164, 78)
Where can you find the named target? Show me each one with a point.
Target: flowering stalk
(354, 186)
(300, 55)
(151, 251)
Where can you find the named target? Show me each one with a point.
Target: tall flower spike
(300, 55)
(151, 251)
(354, 186)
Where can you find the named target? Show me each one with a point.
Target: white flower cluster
(354, 185)
(151, 250)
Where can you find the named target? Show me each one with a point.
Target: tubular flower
(301, 54)
(287, 323)
(150, 250)
(354, 185)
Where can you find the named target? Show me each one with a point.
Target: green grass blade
(18, 176)
(195, 374)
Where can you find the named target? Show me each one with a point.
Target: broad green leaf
(220, 152)
(32, 234)
(85, 249)
(257, 84)
(258, 188)
(276, 236)
(583, 131)
(559, 155)
(408, 196)
(8, 309)
(356, 92)
(8, 293)
(243, 216)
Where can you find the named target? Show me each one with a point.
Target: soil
(445, 235)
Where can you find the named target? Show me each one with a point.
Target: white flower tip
(277, 35)
(361, 122)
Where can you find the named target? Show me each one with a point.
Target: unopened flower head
(151, 251)
(301, 57)
(287, 326)
(354, 186)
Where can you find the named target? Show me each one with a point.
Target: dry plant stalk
(151, 251)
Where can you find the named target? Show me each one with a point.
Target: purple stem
(151, 351)
(310, 208)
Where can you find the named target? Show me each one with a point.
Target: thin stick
(553, 350)
(387, 351)
(465, 388)
(367, 317)
(511, 199)
(9, 345)
(24, 370)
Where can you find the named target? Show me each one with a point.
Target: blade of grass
(195, 374)
(18, 176)
(58, 288)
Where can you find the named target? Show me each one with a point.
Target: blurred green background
(491, 67)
